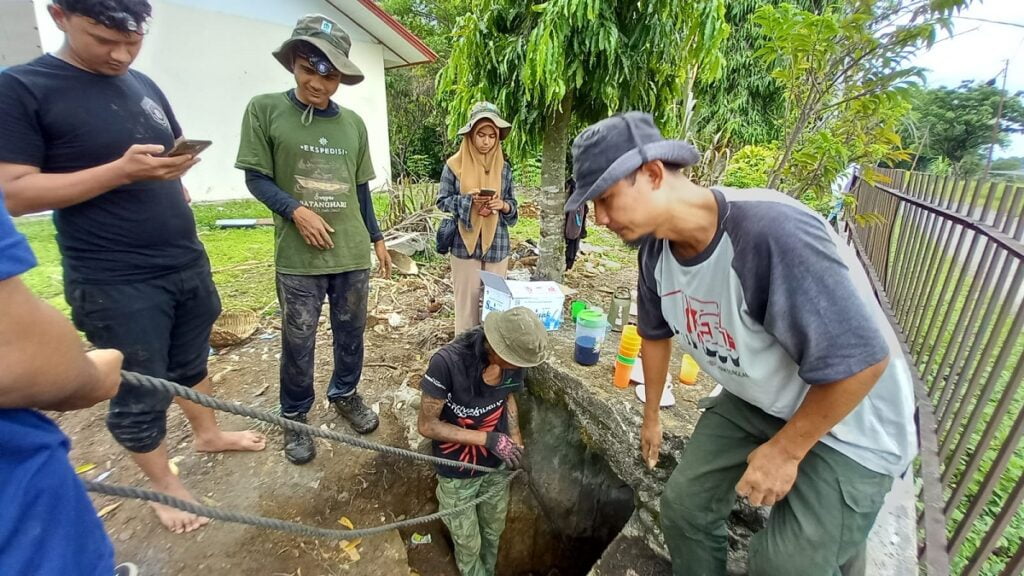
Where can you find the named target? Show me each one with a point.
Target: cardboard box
(544, 298)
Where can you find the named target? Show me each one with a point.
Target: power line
(1000, 22)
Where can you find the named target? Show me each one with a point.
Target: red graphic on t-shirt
(469, 454)
(704, 330)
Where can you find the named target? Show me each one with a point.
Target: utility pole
(999, 117)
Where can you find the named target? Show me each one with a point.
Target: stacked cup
(689, 370)
(629, 348)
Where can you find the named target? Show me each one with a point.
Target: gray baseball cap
(517, 336)
(616, 147)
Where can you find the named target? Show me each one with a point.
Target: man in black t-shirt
(82, 134)
(469, 411)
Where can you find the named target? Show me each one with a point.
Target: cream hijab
(477, 171)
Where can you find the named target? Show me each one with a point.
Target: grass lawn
(242, 259)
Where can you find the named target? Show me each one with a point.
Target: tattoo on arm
(513, 419)
(431, 426)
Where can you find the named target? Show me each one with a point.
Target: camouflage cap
(329, 38)
(487, 110)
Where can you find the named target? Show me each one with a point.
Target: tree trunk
(552, 197)
(775, 176)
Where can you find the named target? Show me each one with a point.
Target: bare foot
(247, 441)
(173, 519)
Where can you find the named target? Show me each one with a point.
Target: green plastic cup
(625, 360)
(577, 307)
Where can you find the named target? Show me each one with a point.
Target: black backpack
(575, 221)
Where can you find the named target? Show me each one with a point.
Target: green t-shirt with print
(320, 165)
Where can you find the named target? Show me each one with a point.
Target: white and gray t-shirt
(778, 303)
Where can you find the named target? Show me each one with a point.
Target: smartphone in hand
(186, 147)
(488, 193)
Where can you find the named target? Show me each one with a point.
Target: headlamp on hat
(319, 63)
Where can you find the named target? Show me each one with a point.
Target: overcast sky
(978, 51)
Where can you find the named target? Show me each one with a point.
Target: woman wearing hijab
(476, 189)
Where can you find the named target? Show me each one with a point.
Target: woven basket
(234, 327)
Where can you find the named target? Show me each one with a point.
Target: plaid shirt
(450, 200)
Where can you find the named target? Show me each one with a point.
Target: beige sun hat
(517, 336)
(487, 110)
(329, 38)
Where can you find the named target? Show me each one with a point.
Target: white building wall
(211, 62)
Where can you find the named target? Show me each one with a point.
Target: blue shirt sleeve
(366, 209)
(266, 191)
(15, 255)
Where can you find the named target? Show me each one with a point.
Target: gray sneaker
(359, 415)
(299, 447)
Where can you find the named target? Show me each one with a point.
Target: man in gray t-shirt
(816, 416)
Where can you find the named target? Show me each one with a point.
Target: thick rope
(141, 380)
(281, 525)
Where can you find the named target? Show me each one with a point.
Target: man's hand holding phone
(144, 162)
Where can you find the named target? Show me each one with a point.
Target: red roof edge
(401, 30)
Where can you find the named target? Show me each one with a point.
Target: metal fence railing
(945, 256)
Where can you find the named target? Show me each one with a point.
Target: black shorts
(162, 326)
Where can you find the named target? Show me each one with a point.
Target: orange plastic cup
(622, 374)
(629, 351)
(630, 343)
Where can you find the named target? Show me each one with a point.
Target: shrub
(750, 166)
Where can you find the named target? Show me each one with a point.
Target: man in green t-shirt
(308, 160)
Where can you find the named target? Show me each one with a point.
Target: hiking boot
(298, 446)
(126, 569)
(359, 415)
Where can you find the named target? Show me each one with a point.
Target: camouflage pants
(475, 532)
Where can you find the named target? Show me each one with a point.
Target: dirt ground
(365, 487)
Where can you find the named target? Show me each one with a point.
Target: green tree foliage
(547, 63)
(956, 123)
(417, 127)
(744, 105)
(845, 82)
(1010, 164)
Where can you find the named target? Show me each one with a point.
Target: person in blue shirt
(49, 526)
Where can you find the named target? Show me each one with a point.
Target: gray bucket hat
(517, 336)
(487, 110)
(616, 147)
(329, 38)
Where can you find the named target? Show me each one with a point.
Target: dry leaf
(108, 510)
(352, 552)
(344, 521)
(173, 465)
(84, 468)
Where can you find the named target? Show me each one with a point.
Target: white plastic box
(544, 298)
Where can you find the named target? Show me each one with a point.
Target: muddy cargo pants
(820, 526)
(301, 299)
(476, 532)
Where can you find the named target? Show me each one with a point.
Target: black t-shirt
(455, 375)
(62, 119)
